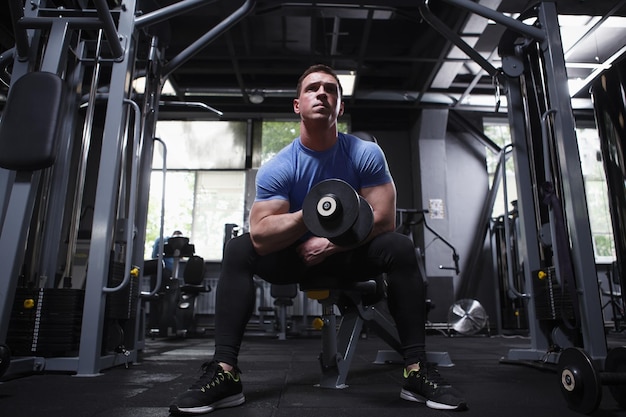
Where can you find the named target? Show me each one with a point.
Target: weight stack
(552, 300)
(122, 304)
(46, 322)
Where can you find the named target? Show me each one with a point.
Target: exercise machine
(73, 202)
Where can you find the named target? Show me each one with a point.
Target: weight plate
(361, 228)
(330, 208)
(616, 363)
(579, 381)
(5, 359)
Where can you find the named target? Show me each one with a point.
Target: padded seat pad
(30, 122)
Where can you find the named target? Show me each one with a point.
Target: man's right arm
(272, 227)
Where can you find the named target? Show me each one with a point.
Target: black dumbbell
(334, 210)
(581, 384)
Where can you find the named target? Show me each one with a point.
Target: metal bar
(475, 80)
(109, 28)
(191, 104)
(507, 227)
(82, 163)
(73, 22)
(12, 241)
(498, 17)
(528, 236)
(166, 12)
(159, 279)
(132, 199)
(576, 212)
(21, 37)
(208, 37)
(445, 31)
(92, 328)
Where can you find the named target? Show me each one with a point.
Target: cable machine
(74, 193)
(554, 238)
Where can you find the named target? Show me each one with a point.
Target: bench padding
(30, 122)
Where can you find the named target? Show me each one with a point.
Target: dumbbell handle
(613, 378)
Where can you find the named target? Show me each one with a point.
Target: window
(499, 132)
(593, 176)
(204, 183)
(597, 193)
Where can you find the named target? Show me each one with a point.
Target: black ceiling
(396, 54)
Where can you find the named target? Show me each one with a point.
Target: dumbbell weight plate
(616, 363)
(580, 383)
(321, 219)
(361, 228)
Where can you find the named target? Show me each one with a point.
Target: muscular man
(280, 249)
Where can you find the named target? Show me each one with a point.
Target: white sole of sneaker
(232, 401)
(411, 396)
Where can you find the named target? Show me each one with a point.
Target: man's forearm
(277, 231)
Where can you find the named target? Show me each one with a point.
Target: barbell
(334, 210)
(581, 384)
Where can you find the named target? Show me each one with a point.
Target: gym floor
(279, 378)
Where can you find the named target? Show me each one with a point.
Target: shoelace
(211, 376)
(431, 375)
(209, 373)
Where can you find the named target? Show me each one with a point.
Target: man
(279, 249)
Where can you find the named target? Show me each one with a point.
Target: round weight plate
(5, 359)
(616, 363)
(580, 383)
(333, 218)
(361, 228)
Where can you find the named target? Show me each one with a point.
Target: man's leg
(236, 292)
(220, 385)
(395, 255)
(234, 299)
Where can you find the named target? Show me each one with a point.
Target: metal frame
(123, 178)
(569, 177)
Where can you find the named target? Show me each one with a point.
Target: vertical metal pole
(528, 238)
(12, 240)
(104, 211)
(576, 212)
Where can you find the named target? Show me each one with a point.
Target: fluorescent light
(139, 85)
(346, 78)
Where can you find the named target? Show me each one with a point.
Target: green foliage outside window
(277, 135)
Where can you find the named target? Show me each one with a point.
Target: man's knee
(397, 244)
(238, 249)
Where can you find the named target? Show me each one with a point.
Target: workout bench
(359, 303)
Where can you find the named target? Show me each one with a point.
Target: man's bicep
(382, 198)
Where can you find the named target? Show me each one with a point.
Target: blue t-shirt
(296, 169)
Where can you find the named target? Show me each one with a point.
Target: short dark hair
(318, 68)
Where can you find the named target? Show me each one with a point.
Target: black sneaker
(215, 389)
(427, 385)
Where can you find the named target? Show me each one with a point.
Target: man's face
(319, 98)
